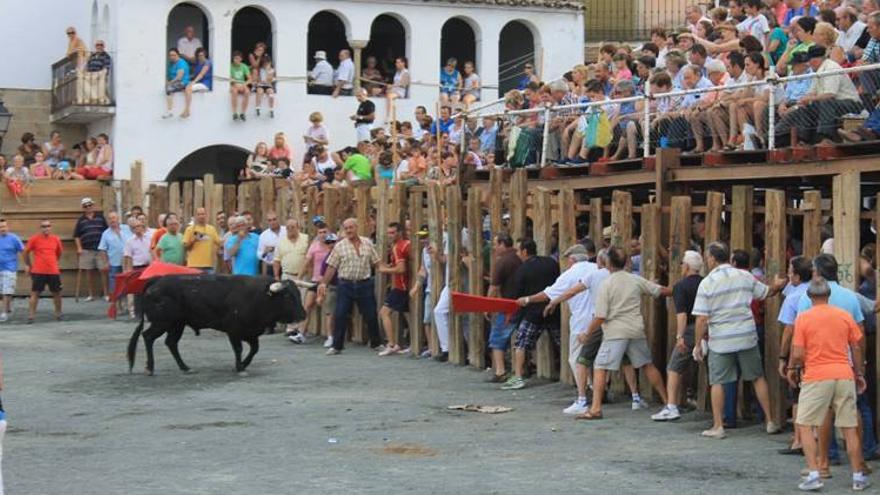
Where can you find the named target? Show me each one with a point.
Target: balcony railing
(80, 95)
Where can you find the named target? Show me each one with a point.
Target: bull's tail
(133, 342)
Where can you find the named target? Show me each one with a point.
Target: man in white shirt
(322, 75)
(269, 241)
(816, 114)
(345, 75)
(188, 44)
(851, 30)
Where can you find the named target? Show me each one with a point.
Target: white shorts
(200, 88)
(7, 283)
(363, 131)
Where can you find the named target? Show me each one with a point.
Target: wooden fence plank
(596, 220)
(267, 199)
(230, 198)
(518, 204)
(456, 282)
(136, 183)
(650, 269)
(476, 335)
(775, 264)
(714, 211)
(417, 338)
(543, 233)
(187, 200)
(812, 208)
(846, 200)
(435, 229)
(567, 237)
(174, 200)
(742, 218)
(210, 199)
(679, 242)
(621, 219)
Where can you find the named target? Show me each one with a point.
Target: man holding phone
(201, 241)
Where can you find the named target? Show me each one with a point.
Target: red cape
(133, 281)
(468, 303)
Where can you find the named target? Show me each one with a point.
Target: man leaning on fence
(723, 307)
(353, 258)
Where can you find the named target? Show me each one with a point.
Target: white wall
(34, 39)
(140, 133)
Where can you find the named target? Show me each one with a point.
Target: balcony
(80, 96)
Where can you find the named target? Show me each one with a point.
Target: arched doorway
(249, 27)
(183, 16)
(516, 49)
(387, 42)
(327, 33)
(222, 160)
(458, 40)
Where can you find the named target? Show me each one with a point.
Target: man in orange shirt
(158, 233)
(822, 337)
(44, 270)
(397, 300)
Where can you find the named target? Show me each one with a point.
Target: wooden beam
(621, 220)
(846, 198)
(435, 229)
(496, 199)
(108, 200)
(679, 242)
(567, 238)
(230, 196)
(741, 218)
(136, 182)
(331, 206)
(210, 201)
(267, 198)
(596, 221)
(650, 269)
(476, 335)
(381, 207)
(296, 207)
(416, 302)
(456, 283)
(714, 211)
(199, 196)
(812, 208)
(775, 264)
(518, 203)
(542, 232)
(187, 200)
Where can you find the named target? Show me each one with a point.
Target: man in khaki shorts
(87, 235)
(824, 337)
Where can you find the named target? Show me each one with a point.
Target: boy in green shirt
(239, 78)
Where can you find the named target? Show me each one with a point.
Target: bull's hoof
(243, 374)
(189, 371)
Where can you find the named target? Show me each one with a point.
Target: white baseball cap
(321, 55)
(86, 201)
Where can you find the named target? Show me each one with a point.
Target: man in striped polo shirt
(723, 307)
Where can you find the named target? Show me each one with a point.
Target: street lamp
(5, 119)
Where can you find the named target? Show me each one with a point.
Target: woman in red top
(281, 149)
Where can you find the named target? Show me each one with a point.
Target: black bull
(240, 306)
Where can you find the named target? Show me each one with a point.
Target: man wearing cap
(87, 235)
(829, 98)
(684, 293)
(581, 306)
(321, 82)
(289, 262)
(824, 339)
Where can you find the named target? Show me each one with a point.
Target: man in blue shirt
(10, 246)
(800, 271)
(111, 247)
(825, 266)
(444, 121)
(176, 80)
(242, 249)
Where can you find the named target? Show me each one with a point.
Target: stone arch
(517, 47)
(222, 160)
(460, 38)
(185, 14)
(252, 24)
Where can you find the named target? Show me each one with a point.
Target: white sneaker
(576, 407)
(89, 299)
(167, 115)
(388, 351)
(640, 404)
(714, 433)
(812, 484)
(773, 428)
(4, 317)
(328, 343)
(297, 338)
(332, 352)
(666, 414)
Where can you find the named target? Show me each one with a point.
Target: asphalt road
(302, 422)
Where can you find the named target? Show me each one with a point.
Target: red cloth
(468, 303)
(133, 281)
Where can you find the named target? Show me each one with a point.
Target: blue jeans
(111, 284)
(499, 335)
(869, 443)
(349, 293)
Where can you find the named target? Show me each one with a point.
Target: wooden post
(621, 220)
(230, 197)
(650, 269)
(296, 207)
(416, 302)
(775, 265)
(519, 194)
(209, 202)
(136, 182)
(153, 210)
(158, 199)
(846, 198)
(187, 200)
(714, 211)
(596, 221)
(496, 199)
(812, 208)
(382, 240)
(543, 232)
(741, 218)
(174, 201)
(476, 335)
(435, 229)
(363, 219)
(108, 200)
(456, 283)
(199, 197)
(267, 197)
(331, 203)
(125, 193)
(567, 214)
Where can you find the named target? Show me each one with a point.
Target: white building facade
(138, 34)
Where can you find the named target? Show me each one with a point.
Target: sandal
(588, 416)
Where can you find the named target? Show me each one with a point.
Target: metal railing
(74, 85)
(751, 116)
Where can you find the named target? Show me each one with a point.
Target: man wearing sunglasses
(43, 268)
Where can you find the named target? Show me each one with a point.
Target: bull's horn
(276, 287)
(304, 284)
